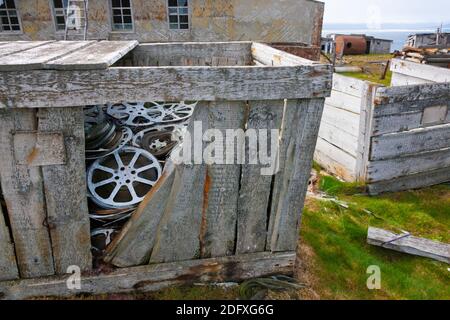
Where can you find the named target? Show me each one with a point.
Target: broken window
(178, 14)
(9, 16)
(59, 8)
(122, 15)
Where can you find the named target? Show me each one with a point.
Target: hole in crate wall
(127, 146)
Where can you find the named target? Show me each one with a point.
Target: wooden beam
(270, 56)
(156, 277)
(12, 47)
(8, 265)
(409, 244)
(51, 88)
(391, 95)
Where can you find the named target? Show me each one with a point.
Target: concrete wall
(211, 20)
(380, 46)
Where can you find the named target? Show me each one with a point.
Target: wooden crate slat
(18, 46)
(88, 87)
(178, 235)
(99, 55)
(8, 265)
(270, 56)
(24, 195)
(132, 247)
(255, 190)
(156, 277)
(35, 58)
(65, 191)
(293, 180)
(222, 192)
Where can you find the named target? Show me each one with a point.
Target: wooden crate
(226, 219)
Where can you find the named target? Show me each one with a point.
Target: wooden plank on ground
(134, 244)
(403, 166)
(18, 46)
(220, 203)
(178, 235)
(157, 277)
(99, 55)
(23, 191)
(413, 181)
(256, 187)
(55, 88)
(410, 142)
(8, 265)
(65, 191)
(409, 244)
(35, 58)
(287, 209)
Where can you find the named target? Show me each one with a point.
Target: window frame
(13, 32)
(111, 15)
(178, 15)
(55, 22)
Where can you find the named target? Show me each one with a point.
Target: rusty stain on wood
(204, 221)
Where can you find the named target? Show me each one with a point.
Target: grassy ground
(334, 243)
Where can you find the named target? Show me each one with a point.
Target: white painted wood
(274, 57)
(344, 101)
(348, 85)
(344, 120)
(399, 79)
(410, 142)
(409, 244)
(99, 55)
(156, 277)
(401, 166)
(339, 138)
(421, 71)
(335, 160)
(50, 88)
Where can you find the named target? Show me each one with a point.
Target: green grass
(370, 77)
(337, 237)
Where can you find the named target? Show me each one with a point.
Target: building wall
(211, 20)
(380, 46)
(421, 40)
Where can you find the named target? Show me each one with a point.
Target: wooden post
(8, 266)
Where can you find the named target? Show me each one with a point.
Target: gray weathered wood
(156, 277)
(99, 55)
(406, 106)
(133, 246)
(39, 148)
(23, 191)
(293, 180)
(65, 191)
(274, 57)
(191, 53)
(51, 88)
(402, 166)
(410, 142)
(178, 235)
(409, 244)
(35, 58)
(220, 203)
(412, 93)
(8, 265)
(18, 46)
(255, 190)
(413, 181)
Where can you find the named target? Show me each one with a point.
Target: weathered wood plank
(18, 46)
(8, 265)
(406, 106)
(39, 148)
(165, 54)
(423, 71)
(342, 119)
(413, 181)
(410, 142)
(220, 203)
(156, 277)
(23, 191)
(133, 246)
(274, 57)
(412, 93)
(344, 101)
(409, 244)
(99, 55)
(341, 139)
(348, 85)
(65, 191)
(51, 88)
(35, 58)
(287, 210)
(178, 235)
(335, 160)
(255, 189)
(399, 79)
(402, 166)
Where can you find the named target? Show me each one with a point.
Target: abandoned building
(298, 21)
(359, 44)
(428, 39)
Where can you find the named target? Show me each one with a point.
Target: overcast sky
(387, 11)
